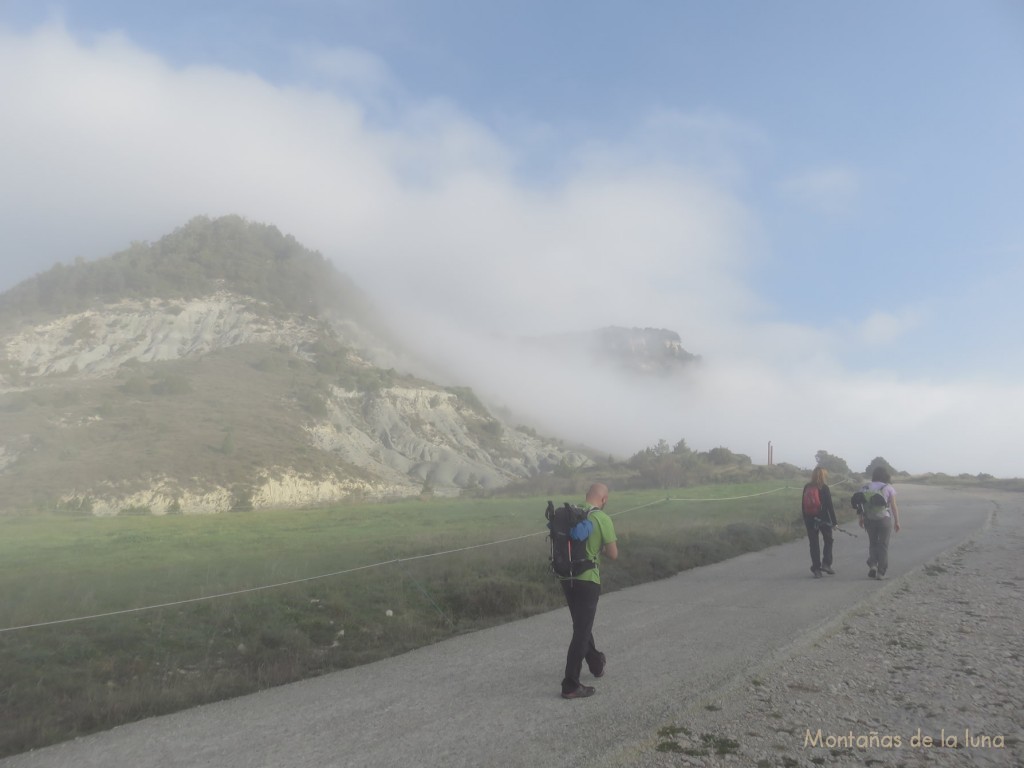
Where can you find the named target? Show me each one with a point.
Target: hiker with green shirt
(581, 594)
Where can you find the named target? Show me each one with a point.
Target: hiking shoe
(828, 569)
(881, 575)
(580, 693)
(599, 671)
(817, 574)
(872, 573)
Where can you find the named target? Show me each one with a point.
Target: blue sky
(823, 199)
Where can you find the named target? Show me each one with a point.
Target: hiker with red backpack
(819, 518)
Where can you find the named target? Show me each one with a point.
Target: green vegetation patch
(707, 744)
(345, 586)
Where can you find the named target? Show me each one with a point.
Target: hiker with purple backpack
(879, 515)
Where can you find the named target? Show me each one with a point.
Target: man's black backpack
(569, 528)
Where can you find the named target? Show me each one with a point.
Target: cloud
(886, 328)
(831, 191)
(104, 143)
(703, 144)
(349, 67)
(109, 139)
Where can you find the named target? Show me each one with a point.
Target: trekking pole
(843, 530)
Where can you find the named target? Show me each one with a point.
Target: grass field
(256, 599)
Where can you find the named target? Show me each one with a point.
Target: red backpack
(812, 501)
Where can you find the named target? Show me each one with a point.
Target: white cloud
(103, 144)
(886, 328)
(704, 144)
(833, 191)
(349, 67)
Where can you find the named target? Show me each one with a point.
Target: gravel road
(750, 657)
(928, 671)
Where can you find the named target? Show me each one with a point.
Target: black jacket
(828, 512)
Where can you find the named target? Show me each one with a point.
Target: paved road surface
(492, 698)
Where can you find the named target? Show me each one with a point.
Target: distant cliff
(651, 351)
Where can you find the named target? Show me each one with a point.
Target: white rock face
(285, 489)
(429, 435)
(293, 490)
(393, 442)
(97, 343)
(159, 500)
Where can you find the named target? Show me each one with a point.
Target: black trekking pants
(581, 597)
(819, 558)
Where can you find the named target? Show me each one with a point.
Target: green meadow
(109, 620)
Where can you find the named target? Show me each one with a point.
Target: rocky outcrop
(98, 342)
(644, 351)
(429, 435)
(274, 489)
(368, 441)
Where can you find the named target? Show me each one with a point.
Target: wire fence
(381, 564)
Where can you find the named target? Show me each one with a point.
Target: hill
(228, 367)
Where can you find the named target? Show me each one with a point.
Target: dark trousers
(819, 558)
(879, 532)
(581, 596)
